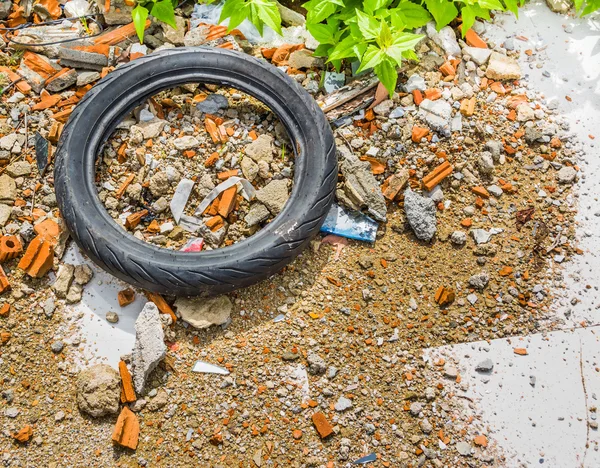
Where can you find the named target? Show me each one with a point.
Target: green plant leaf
(372, 57)
(491, 4)
(344, 49)
(388, 75)
(236, 10)
(590, 7)
(578, 4)
(321, 32)
(372, 5)
(403, 42)
(385, 38)
(369, 26)
(408, 15)
(320, 10)
(268, 13)
(139, 15)
(468, 18)
(512, 5)
(322, 50)
(163, 11)
(443, 11)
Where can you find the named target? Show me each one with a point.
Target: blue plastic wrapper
(349, 224)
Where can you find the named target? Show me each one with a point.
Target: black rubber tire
(208, 272)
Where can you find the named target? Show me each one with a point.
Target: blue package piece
(349, 224)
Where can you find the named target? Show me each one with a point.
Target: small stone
(159, 401)
(261, 149)
(87, 77)
(421, 215)
(316, 364)
(458, 238)
(416, 408)
(487, 365)
(342, 404)
(479, 55)
(99, 390)
(464, 448)
(57, 347)
(149, 348)
(159, 184)
(415, 82)
(112, 317)
(525, 113)
(479, 281)
(213, 104)
(384, 108)
(63, 281)
(485, 163)
(502, 67)
(18, 169)
(75, 293)
(257, 214)
(566, 175)
(249, 169)
(274, 195)
(186, 142)
(83, 274)
(450, 371)
(203, 312)
(8, 189)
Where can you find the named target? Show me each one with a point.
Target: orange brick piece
(467, 107)
(127, 391)
(481, 192)
(213, 131)
(49, 230)
(437, 175)
(134, 219)
(4, 284)
(227, 174)
(215, 223)
(418, 133)
(520, 351)
(5, 309)
(227, 201)
(323, 426)
(473, 39)
(161, 304)
(126, 297)
(433, 93)
(38, 258)
(24, 434)
(119, 193)
(22, 85)
(10, 247)
(127, 429)
(118, 35)
(211, 160)
(447, 69)
(417, 97)
(444, 296)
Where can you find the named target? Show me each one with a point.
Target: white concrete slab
(545, 424)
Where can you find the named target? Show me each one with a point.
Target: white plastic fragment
(207, 368)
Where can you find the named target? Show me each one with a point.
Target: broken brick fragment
(473, 39)
(126, 297)
(211, 160)
(22, 85)
(447, 69)
(505, 271)
(5, 309)
(444, 296)
(393, 184)
(227, 174)
(10, 247)
(119, 193)
(38, 258)
(323, 427)
(437, 175)
(433, 94)
(213, 131)
(467, 107)
(215, 223)
(127, 391)
(162, 305)
(127, 429)
(480, 192)
(4, 284)
(134, 219)
(55, 131)
(417, 97)
(481, 440)
(24, 435)
(118, 35)
(418, 133)
(227, 201)
(520, 351)
(49, 230)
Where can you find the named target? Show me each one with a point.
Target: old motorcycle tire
(209, 272)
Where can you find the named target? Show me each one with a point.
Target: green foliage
(590, 6)
(371, 31)
(163, 10)
(259, 12)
